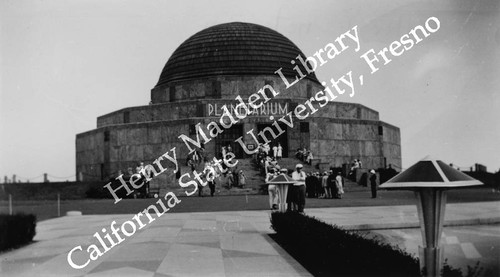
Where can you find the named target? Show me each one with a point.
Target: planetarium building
(207, 72)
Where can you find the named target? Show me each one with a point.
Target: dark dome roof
(236, 49)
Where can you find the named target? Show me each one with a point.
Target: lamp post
(430, 179)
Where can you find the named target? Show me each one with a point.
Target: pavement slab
(175, 244)
(227, 243)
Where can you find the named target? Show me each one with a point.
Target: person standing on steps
(210, 177)
(230, 179)
(309, 158)
(279, 153)
(242, 179)
(211, 185)
(373, 183)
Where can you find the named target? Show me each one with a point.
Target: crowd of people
(328, 185)
(304, 155)
(267, 160)
(356, 164)
(143, 191)
(264, 150)
(308, 185)
(229, 177)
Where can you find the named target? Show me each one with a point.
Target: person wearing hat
(373, 183)
(299, 188)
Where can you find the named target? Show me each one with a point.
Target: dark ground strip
(48, 209)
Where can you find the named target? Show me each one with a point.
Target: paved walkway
(200, 244)
(464, 239)
(394, 217)
(463, 246)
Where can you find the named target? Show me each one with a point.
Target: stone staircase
(254, 179)
(252, 172)
(290, 163)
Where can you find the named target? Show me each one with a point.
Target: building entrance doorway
(228, 138)
(282, 139)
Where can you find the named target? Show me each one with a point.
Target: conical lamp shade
(431, 173)
(281, 179)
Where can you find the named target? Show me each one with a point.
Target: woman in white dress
(279, 152)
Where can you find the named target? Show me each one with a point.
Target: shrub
(327, 250)
(97, 193)
(449, 271)
(16, 230)
(100, 192)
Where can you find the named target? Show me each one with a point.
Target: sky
(64, 63)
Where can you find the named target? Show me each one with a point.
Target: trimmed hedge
(16, 230)
(326, 250)
(476, 271)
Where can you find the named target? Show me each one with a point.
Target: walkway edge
(409, 225)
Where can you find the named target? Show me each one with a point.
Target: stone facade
(337, 133)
